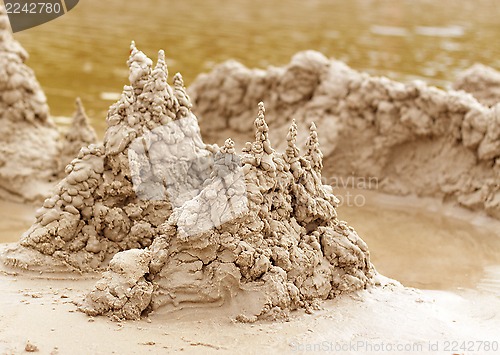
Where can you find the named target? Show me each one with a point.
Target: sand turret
(95, 211)
(78, 135)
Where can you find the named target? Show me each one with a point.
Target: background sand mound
(32, 152)
(29, 150)
(410, 138)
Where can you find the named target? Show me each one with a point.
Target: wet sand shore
(39, 309)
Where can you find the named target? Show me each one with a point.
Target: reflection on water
(424, 247)
(83, 52)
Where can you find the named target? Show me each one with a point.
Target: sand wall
(411, 138)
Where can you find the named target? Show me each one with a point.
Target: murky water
(424, 244)
(83, 53)
(15, 219)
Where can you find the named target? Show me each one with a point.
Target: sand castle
(94, 212)
(30, 156)
(287, 251)
(412, 138)
(272, 241)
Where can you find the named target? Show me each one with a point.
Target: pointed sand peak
(79, 105)
(292, 134)
(80, 116)
(139, 67)
(262, 142)
(180, 92)
(292, 151)
(261, 127)
(133, 50)
(178, 81)
(313, 131)
(161, 64)
(314, 154)
(159, 76)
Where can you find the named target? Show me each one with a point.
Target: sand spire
(181, 95)
(291, 155)
(80, 134)
(313, 153)
(95, 211)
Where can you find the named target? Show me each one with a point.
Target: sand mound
(188, 224)
(411, 138)
(29, 138)
(94, 211)
(287, 251)
(482, 82)
(32, 152)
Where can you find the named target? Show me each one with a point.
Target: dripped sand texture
(411, 138)
(482, 82)
(94, 212)
(284, 249)
(32, 151)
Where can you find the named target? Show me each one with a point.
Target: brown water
(423, 244)
(420, 244)
(83, 53)
(15, 219)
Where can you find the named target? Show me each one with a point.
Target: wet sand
(419, 242)
(418, 320)
(15, 219)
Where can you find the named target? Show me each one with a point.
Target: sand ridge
(482, 82)
(411, 138)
